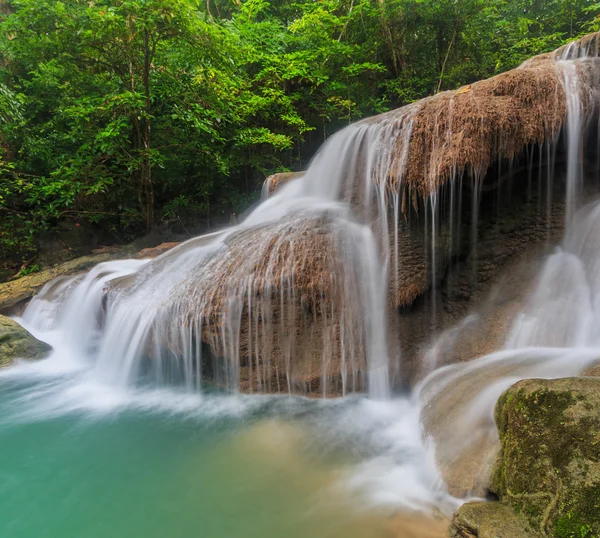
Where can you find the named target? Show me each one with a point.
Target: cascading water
(316, 254)
(273, 280)
(297, 299)
(73, 306)
(555, 335)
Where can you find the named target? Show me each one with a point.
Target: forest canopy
(124, 114)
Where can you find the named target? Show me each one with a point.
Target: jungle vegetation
(128, 114)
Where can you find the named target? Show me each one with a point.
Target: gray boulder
(17, 343)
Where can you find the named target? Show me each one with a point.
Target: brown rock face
(275, 181)
(275, 305)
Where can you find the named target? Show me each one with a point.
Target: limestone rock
(489, 520)
(549, 466)
(17, 343)
(16, 292)
(275, 181)
(154, 252)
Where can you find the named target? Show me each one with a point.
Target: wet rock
(490, 279)
(275, 181)
(594, 371)
(158, 250)
(17, 343)
(548, 469)
(489, 520)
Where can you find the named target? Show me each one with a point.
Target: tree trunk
(146, 165)
(387, 33)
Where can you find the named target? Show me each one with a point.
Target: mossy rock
(17, 292)
(548, 469)
(489, 520)
(17, 343)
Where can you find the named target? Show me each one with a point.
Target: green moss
(580, 516)
(17, 343)
(490, 520)
(569, 526)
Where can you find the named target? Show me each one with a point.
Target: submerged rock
(489, 520)
(17, 343)
(549, 466)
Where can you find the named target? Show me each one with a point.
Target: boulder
(489, 520)
(548, 469)
(17, 343)
(275, 181)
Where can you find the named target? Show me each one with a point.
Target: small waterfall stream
(555, 335)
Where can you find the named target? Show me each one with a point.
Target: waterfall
(228, 306)
(564, 308)
(297, 297)
(555, 335)
(574, 135)
(303, 297)
(556, 332)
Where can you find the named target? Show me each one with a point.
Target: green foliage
(10, 107)
(128, 112)
(35, 268)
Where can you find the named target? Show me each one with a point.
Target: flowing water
(135, 426)
(82, 458)
(119, 432)
(555, 335)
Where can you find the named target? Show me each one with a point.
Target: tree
(126, 113)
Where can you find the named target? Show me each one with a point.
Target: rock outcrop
(15, 293)
(548, 470)
(156, 251)
(275, 181)
(439, 138)
(17, 343)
